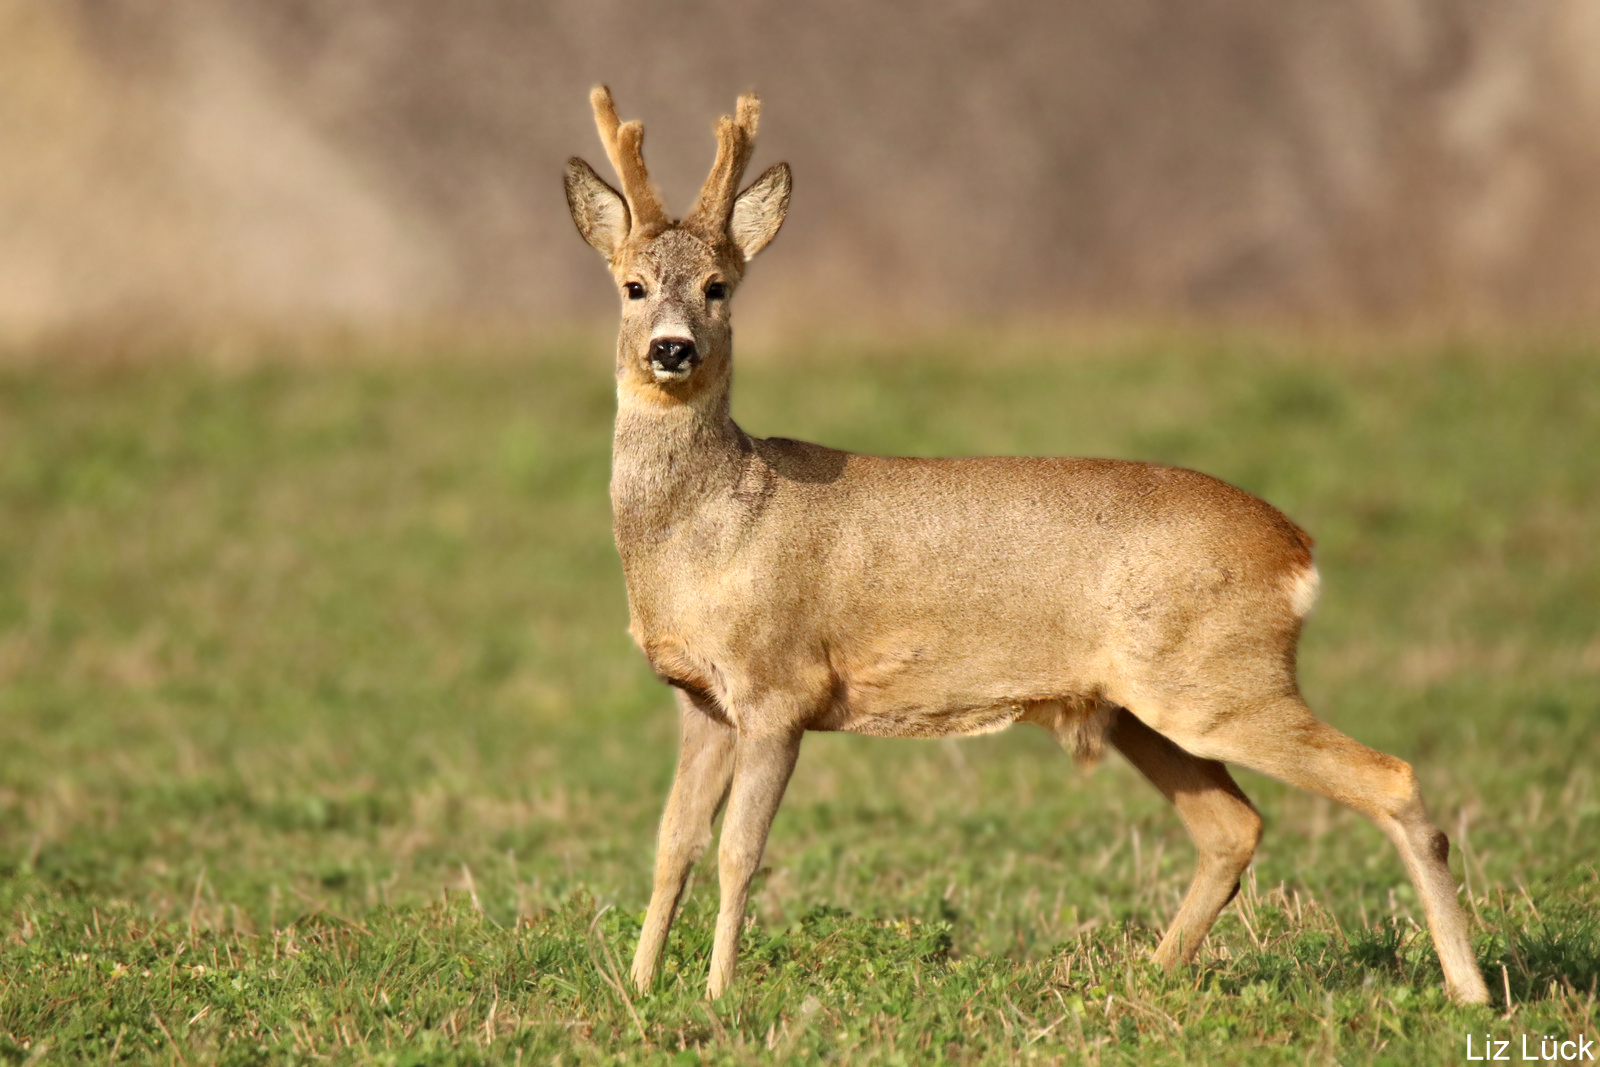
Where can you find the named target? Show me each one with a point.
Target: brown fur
(786, 587)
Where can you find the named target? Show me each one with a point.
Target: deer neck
(672, 465)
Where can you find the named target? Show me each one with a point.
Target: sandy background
(372, 163)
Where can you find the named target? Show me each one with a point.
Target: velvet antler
(736, 140)
(624, 143)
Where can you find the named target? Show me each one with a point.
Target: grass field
(321, 738)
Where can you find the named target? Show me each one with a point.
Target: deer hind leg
(1224, 824)
(705, 768)
(1282, 738)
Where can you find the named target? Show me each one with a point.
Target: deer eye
(716, 291)
(634, 290)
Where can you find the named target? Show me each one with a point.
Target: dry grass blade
(176, 1051)
(611, 974)
(321, 908)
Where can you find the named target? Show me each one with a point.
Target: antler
(624, 142)
(736, 140)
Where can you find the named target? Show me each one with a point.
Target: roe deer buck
(784, 587)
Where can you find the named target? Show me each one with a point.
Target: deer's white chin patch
(662, 374)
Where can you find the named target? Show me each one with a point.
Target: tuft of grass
(321, 737)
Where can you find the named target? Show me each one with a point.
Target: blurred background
(294, 165)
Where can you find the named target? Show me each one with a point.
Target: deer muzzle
(672, 358)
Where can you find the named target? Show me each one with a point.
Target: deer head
(676, 278)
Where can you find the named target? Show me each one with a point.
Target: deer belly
(913, 692)
(921, 722)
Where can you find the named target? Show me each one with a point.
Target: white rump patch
(1303, 586)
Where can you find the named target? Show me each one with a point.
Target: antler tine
(624, 144)
(736, 141)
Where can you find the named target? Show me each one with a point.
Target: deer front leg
(762, 767)
(705, 767)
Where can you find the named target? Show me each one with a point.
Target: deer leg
(705, 767)
(1219, 817)
(1282, 738)
(762, 767)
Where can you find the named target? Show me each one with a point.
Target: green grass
(320, 735)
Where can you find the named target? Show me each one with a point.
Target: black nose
(672, 353)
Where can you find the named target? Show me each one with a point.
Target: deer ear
(599, 210)
(759, 211)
